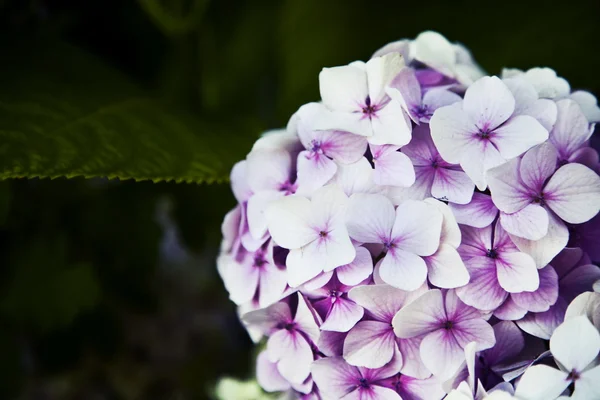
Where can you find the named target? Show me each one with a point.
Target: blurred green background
(108, 289)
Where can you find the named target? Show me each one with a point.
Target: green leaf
(65, 114)
(45, 291)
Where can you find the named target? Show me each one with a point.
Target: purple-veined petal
(541, 382)
(529, 223)
(571, 130)
(475, 241)
(421, 316)
(508, 193)
(479, 213)
(267, 319)
(446, 269)
(474, 330)
(518, 135)
(543, 324)
(452, 185)
(483, 290)
(272, 284)
(331, 343)
(450, 234)
(488, 102)
(575, 343)
(355, 178)
(305, 320)
(240, 278)
(411, 388)
(421, 149)
(437, 98)
(268, 375)
(546, 295)
(573, 193)
(292, 354)
(351, 122)
(405, 89)
(441, 353)
(451, 131)
(586, 156)
(343, 87)
(509, 343)
(267, 169)
(478, 160)
(403, 270)
(420, 190)
(343, 316)
(358, 270)
(537, 165)
(457, 310)
(382, 302)
(343, 147)
(510, 311)
(517, 272)
(545, 249)
(334, 376)
(417, 227)
(370, 218)
(392, 167)
(314, 171)
(370, 344)
(412, 364)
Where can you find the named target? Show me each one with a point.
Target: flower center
(288, 326)
(485, 133)
(363, 383)
(491, 253)
(421, 111)
(323, 234)
(259, 260)
(573, 375)
(369, 109)
(539, 199)
(315, 147)
(288, 188)
(448, 325)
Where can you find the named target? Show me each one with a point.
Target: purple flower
(571, 135)
(317, 163)
(290, 338)
(339, 313)
(575, 275)
(372, 343)
(355, 101)
(479, 213)
(406, 234)
(532, 196)
(447, 325)
(313, 230)
(434, 176)
(420, 107)
(337, 379)
(497, 268)
(481, 132)
(253, 274)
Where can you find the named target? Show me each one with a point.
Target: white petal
(382, 301)
(370, 218)
(571, 131)
(488, 102)
(418, 227)
(451, 131)
(541, 382)
(529, 223)
(575, 343)
(517, 272)
(573, 193)
(288, 222)
(587, 386)
(479, 213)
(547, 84)
(450, 231)
(518, 135)
(268, 169)
(453, 186)
(508, 193)
(479, 160)
(446, 269)
(369, 344)
(356, 178)
(588, 104)
(342, 88)
(403, 270)
(391, 126)
(436, 51)
(421, 316)
(394, 169)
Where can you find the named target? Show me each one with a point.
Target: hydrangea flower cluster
(422, 232)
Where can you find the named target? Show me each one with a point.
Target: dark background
(108, 290)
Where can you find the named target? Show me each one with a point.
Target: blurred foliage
(108, 289)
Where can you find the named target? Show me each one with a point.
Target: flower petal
(355, 178)
(393, 168)
(441, 354)
(343, 316)
(451, 131)
(546, 295)
(483, 290)
(488, 102)
(543, 324)
(268, 375)
(343, 147)
(334, 377)
(479, 213)
(370, 344)
(478, 160)
(446, 269)
(529, 223)
(451, 234)
(587, 386)
(588, 104)
(509, 310)
(452, 185)
(267, 169)
(417, 227)
(509, 343)
(411, 356)
(508, 194)
(292, 354)
(358, 270)
(343, 87)
(370, 218)
(474, 330)
(541, 382)
(422, 316)
(287, 220)
(571, 130)
(517, 272)
(403, 270)
(575, 343)
(573, 193)
(380, 73)
(537, 165)
(314, 171)
(381, 301)
(391, 126)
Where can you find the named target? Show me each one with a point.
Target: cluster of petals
(424, 231)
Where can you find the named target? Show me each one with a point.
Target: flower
(574, 345)
(529, 190)
(313, 230)
(481, 132)
(354, 100)
(407, 233)
(447, 325)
